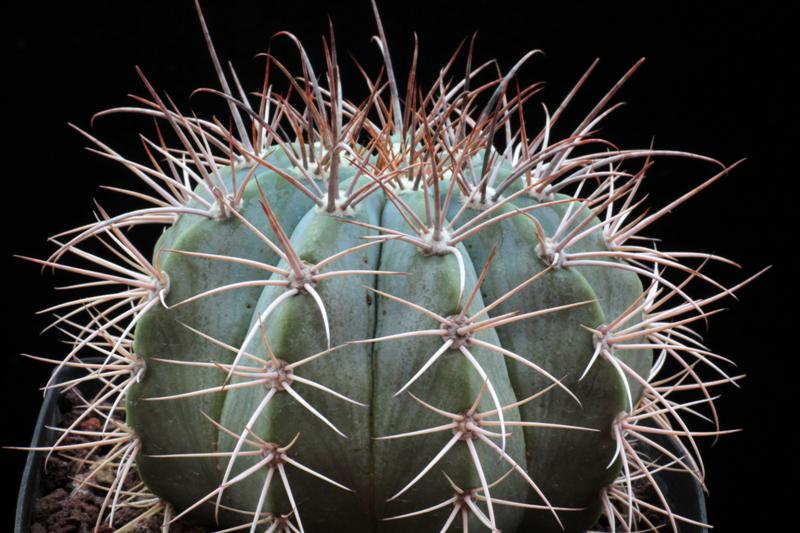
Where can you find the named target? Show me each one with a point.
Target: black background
(715, 82)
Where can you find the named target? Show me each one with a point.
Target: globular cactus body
(385, 323)
(571, 467)
(166, 338)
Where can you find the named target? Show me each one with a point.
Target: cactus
(378, 317)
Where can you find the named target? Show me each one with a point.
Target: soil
(66, 507)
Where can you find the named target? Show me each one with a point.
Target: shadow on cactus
(412, 313)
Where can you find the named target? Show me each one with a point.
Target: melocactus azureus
(411, 312)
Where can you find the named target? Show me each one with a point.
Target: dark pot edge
(676, 486)
(49, 415)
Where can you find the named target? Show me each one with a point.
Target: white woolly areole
(542, 196)
(475, 203)
(545, 250)
(439, 246)
(339, 211)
